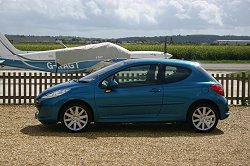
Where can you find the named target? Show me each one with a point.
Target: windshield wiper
(82, 81)
(75, 80)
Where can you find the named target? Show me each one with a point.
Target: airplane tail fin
(6, 48)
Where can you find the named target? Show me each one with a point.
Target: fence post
(243, 100)
(19, 88)
(238, 89)
(248, 85)
(4, 88)
(9, 87)
(24, 87)
(232, 89)
(40, 83)
(227, 85)
(14, 87)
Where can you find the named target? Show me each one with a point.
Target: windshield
(93, 76)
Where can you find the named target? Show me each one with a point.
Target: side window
(134, 76)
(175, 74)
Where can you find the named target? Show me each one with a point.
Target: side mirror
(111, 85)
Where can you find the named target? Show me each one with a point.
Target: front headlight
(55, 93)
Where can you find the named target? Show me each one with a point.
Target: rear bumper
(225, 114)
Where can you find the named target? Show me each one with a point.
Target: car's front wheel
(203, 117)
(75, 117)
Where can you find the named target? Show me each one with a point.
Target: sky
(124, 18)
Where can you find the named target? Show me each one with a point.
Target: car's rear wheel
(75, 117)
(203, 117)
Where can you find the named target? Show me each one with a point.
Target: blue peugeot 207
(137, 90)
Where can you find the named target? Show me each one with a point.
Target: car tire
(75, 117)
(203, 117)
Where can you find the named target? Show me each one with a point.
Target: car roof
(175, 62)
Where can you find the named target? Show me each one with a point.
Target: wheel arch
(206, 101)
(76, 101)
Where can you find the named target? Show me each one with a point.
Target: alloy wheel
(204, 118)
(75, 118)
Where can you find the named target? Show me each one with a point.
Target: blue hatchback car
(137, 90)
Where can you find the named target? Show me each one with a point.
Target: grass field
(199, 52)
(239, 74)
(188, 52)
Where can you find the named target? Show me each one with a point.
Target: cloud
(93, 8)
(124, 18)
(129, 11)
(209, 12)
(181, 11)
(73, 9)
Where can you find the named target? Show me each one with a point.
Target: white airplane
(69, 60)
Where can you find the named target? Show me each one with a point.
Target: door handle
(155, 90)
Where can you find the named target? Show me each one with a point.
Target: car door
(137, 97)
(177, 93)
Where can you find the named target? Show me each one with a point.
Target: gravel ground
(24, 141)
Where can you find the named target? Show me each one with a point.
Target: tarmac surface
(226, 66)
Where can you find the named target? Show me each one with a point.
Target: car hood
(70, 84)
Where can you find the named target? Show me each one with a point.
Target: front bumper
(36, 115)
(47, 111)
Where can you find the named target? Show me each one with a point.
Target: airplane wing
(150, 54)
(98, 66)
(101, 51)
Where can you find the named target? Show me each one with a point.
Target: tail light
(217, 88)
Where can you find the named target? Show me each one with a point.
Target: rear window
(175, 74)
(205, 73)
